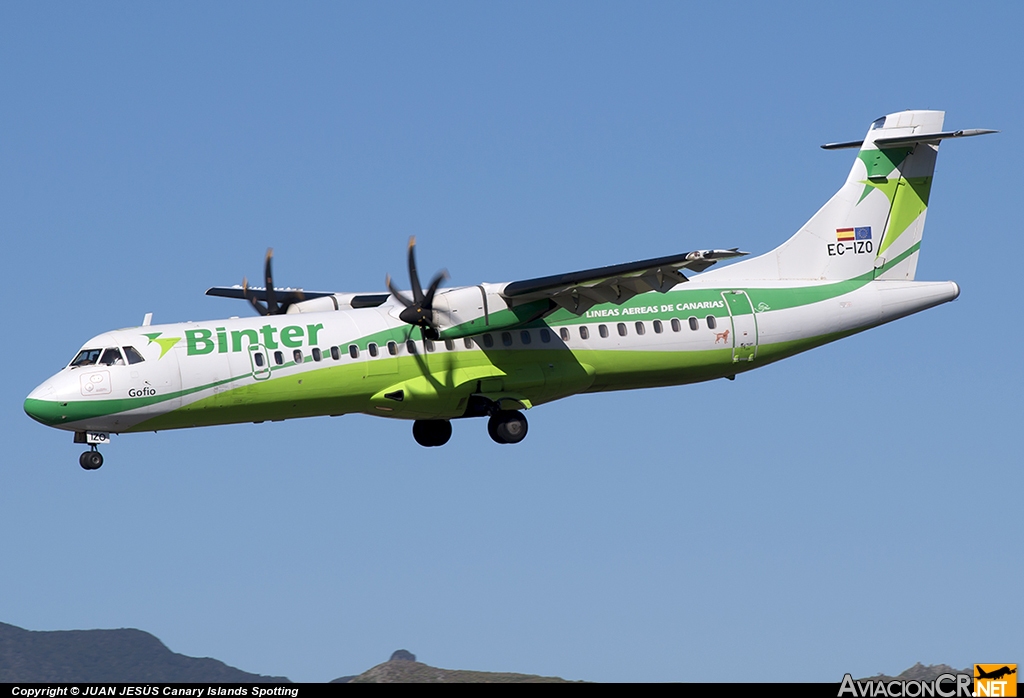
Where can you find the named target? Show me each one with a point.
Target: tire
(492, 429)
(432, 432)
(91, 460)
(508, 427)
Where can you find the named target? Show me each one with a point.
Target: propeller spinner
(419, 310)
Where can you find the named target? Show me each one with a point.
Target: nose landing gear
(91, 459)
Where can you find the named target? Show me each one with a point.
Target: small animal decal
(722, 336)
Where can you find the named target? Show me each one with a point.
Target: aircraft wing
(284, 296)
(581, 290)
(289, 296)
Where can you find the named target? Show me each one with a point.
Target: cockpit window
(877, 123)
(86, 357)
(112, 357)
(133, 356)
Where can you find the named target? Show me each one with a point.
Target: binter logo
(203, 341)
(995, 680)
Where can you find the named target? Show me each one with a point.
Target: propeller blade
(420, 310)
(272, 307)
(428, 299)
(262, 310)
(417, 290)
(396, 293)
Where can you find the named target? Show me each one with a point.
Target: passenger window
(428, 344)
(86, 357)
(112, 357)
(335, 354)
(449, 345)
(640, 328)
(657, 327)
(694, 323)
(545, 336)
(622, 329)
(132, 355)
(676, 325)
(372, 348)
(488, 341)
(564, 334)
(392, 348)
(525, 336)
(353, 351)
(602, 330)
(468, 342)
(506, 338)
(258, 358)
(712, 323)
(278, 357)
(584, 332)
(410, 346)
(297, 356)
(317, 355)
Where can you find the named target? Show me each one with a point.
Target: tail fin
(873, 224)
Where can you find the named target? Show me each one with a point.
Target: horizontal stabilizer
(911, 140)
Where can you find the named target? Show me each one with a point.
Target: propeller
(419, 310)
(272, 307)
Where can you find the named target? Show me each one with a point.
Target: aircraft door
(743, 325)
(259, 360)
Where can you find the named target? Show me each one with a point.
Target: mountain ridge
(120, 655)
(129, 655)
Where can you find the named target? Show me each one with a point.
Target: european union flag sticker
(862, 233)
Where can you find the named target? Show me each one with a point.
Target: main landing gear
(504, 426)
(432, 432)
(91, 460)
(507, 427)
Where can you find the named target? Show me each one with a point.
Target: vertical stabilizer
(873, 224)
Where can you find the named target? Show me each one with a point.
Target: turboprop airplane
(495, 350)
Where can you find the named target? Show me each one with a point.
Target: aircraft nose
(41, 404)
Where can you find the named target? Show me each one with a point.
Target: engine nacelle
(339, 301)
(471, 310)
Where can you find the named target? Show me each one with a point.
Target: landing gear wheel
(507, 427)
(432, 432)
(90, 460)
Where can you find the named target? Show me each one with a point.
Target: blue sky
(848, 510)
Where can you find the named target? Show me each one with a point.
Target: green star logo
(165, 342)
